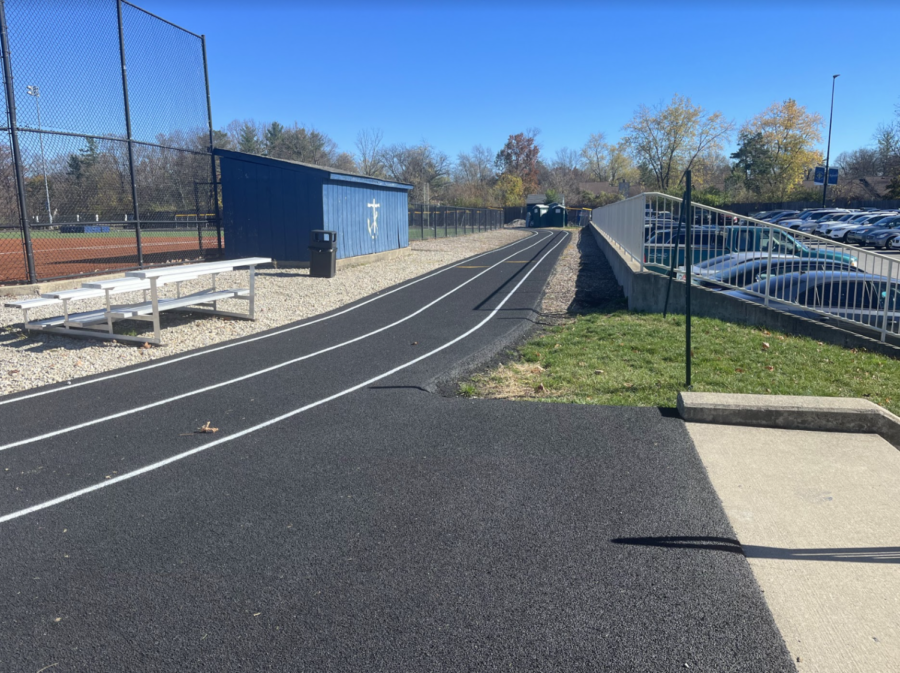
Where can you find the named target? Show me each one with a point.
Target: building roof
(333, 173)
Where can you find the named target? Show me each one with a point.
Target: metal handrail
(627, 224)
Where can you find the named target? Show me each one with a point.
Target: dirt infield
(77, 254)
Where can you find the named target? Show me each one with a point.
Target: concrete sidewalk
(818, 517)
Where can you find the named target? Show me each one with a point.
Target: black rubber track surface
(388, 529)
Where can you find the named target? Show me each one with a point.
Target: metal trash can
(322, 253)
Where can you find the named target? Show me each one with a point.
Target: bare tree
(595, 155)
(474, 177)
(419, 165)
(368, 147)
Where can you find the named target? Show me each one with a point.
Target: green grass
(468, 389)
(638, 360)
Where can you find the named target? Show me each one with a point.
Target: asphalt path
(343, 518)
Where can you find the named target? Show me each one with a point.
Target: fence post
(212, 157)
(134, 198)
(887, 299)
(688, 263)
(769, 266)
(14, 141)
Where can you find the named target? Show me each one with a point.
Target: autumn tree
(519, 157)
(668, 139)
(509, 191)
(607, 162)
(779, 145)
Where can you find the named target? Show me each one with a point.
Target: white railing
(801, 273)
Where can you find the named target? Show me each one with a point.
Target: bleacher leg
(252, 292)
(154, 298)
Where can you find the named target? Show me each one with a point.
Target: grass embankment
(638, 360)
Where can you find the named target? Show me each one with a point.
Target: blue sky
(471, 73)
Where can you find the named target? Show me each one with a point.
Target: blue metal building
(271, 205)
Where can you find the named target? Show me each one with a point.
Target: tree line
(776, 151)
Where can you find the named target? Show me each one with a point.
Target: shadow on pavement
(846, 554)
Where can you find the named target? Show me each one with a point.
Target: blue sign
(819, 176)
(832, 176)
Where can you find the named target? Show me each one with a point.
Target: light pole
(32, 90)
(828, 154)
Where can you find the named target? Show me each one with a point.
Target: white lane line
(277, 419)
(259, 372)
(164, 363)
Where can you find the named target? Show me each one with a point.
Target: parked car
(851, 295)
(747, 273)
(884, 230)
(858, 235)
(717, 241)
(781, 215)
(809, 216)
(840, 232)
(827, 222)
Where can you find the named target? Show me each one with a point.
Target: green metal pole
(688, 263)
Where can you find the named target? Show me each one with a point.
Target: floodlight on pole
(35, 92)
(828, 153)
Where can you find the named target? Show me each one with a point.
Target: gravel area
(282, 296)
(582, 282)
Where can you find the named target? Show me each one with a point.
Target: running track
(344, 519)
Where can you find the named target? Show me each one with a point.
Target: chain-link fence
(427, 221)
(105, 159)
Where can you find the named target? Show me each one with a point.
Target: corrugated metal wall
(270, 207)
(367, 219)
(267, 211)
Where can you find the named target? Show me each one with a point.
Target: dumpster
(556, 216)
(322, 253)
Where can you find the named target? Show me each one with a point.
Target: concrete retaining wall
(646, 293)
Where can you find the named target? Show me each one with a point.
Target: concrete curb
(791, 412)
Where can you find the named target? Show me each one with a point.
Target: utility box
(556, 216)
(322, 253)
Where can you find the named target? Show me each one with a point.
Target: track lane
(289, 347)
(353, 306)
(122, 447)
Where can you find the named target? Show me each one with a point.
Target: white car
(812, 216)
(833, 220)
(838, 232)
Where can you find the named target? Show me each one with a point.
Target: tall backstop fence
(105, 160)
(428, 221)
